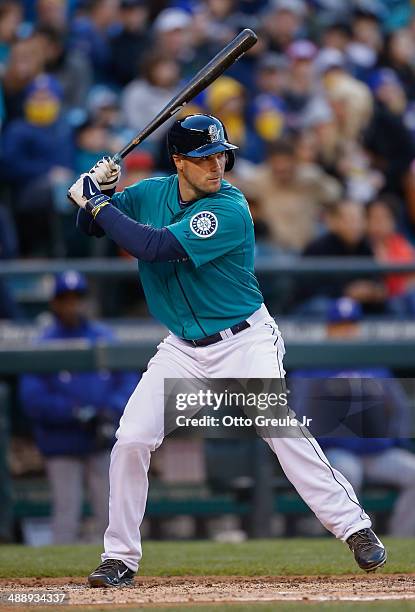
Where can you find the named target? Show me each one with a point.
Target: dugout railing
(265, 264)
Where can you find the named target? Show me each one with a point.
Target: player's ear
(178, 161)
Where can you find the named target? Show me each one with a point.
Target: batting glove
(107, 174)
(86, 194)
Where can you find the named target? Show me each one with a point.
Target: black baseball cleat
(369, 552)
(111, 573)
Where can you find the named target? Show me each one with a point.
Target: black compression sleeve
(142, 241)
(87, 224)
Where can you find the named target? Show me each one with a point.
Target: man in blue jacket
(75, 415)
(38, 151)
(364, 417)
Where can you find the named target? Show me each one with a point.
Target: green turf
(252, 558)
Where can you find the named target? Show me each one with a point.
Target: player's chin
(213, 185)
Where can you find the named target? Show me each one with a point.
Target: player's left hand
(107, 173)
(83, 190)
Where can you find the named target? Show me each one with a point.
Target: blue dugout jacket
(305, 387)
(52, 401)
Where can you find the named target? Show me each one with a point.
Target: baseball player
(194, 238)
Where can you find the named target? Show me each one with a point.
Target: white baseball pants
(256, 352)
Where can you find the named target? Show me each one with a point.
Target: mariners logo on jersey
(204, 224)
(214, 133)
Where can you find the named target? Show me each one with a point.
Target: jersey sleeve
(210, 233)
(128, 201)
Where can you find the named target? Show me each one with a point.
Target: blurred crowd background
(323, 111)
(322, 108)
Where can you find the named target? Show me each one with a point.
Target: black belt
(235, 329)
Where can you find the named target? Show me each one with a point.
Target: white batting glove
(84, 189)
(107, 174)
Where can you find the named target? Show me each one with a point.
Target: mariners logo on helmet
(204, 224)
(214, 133)
(200, 136)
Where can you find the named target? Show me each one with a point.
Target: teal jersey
(216, 286)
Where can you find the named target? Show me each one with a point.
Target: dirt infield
(148, 591)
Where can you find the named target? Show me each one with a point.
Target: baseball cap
(329, 58)
(273, 61)
(101, 96)
(317, 112)
(344, 309)
(45, 83)
(172, 19)
(302, 50)
(361, 55)
(298, 7)
(385, 76)
(70, 281)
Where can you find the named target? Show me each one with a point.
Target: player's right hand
(84, 190)
(107, 174)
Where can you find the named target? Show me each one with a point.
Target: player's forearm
(141, 241)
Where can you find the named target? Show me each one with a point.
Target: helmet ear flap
(230, 160)
(230, 155)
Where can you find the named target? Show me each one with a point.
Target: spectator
(11, 17)
(41, 147)
(345, 238)
(361, 182)
(25, 63)
(75, 415)
(226, 99)
(387, 138)
(90, 34)
(351, 104)
(144, 97)
(301, 88)
(103, 106)
(336, 35)
(399, 56)
(283, 22)
(129, 44)
(320, 121)
(367, 27)
(93, 141)
(71, 69)
(268, 108)
(390, 246)
(290, 196)
(366, 45)
(172, 37)
(219, 18)
(52, 15)
(375, 456)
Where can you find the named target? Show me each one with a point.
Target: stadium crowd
(322, 108)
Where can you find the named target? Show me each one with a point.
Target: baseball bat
(225, 58)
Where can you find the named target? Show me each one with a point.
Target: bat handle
(117, 159)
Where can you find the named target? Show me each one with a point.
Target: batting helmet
(200, 136)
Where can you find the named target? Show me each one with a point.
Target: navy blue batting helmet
(200, 136)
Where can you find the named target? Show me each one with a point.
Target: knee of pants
(145, 431)
(136, 438)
